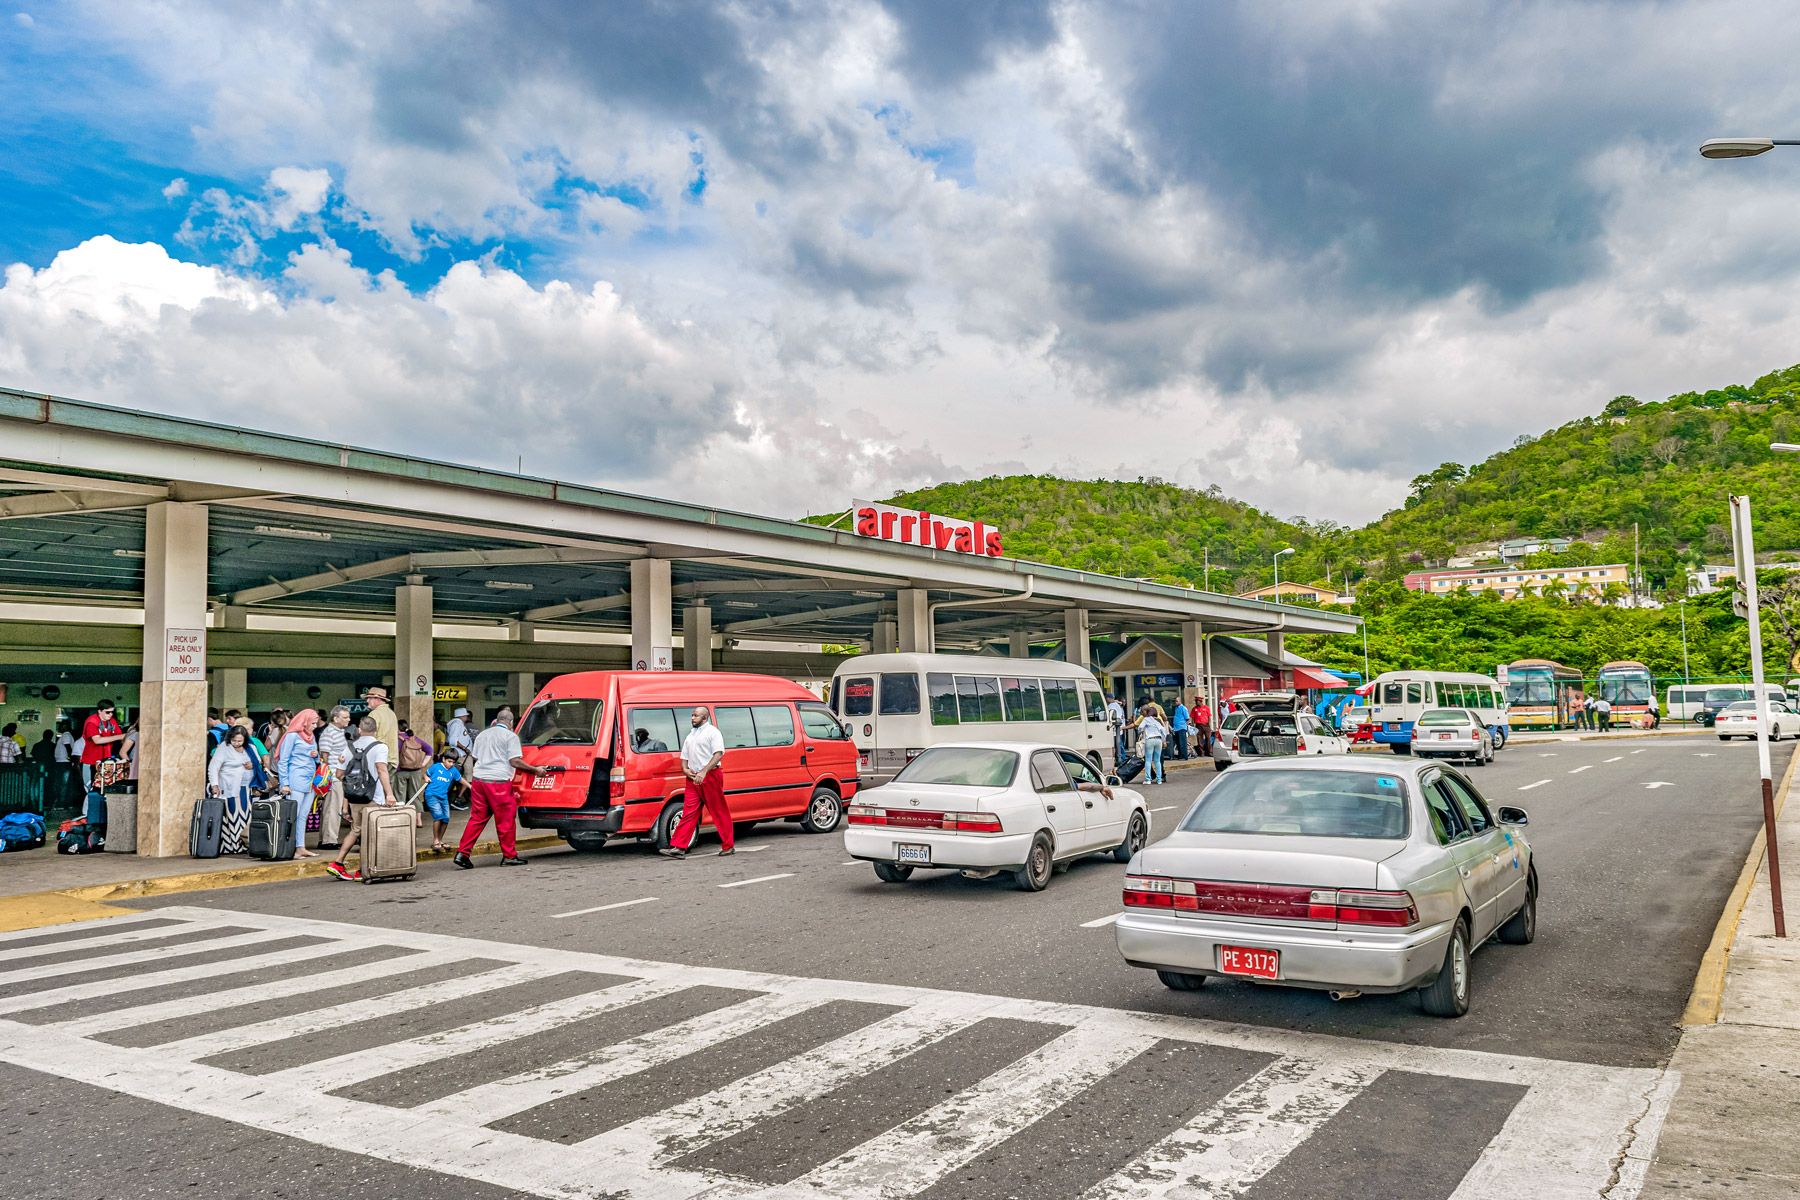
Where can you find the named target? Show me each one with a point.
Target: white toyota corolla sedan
(984, 808)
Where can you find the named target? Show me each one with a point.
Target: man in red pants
(701, 756)
(497, 755)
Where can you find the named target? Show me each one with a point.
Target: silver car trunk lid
(930, 797)
(1319, 862)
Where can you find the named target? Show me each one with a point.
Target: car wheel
(1181, 981)
(1724, 737)
(588, 841)
(1137, 832)
(1500, 739)
(823, 812)
(1521, 930)
(892, 872)
(663, 832)
(1448, 994)
(1034, 876)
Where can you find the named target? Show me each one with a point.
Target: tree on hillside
(1778, 597)
(1620, 406)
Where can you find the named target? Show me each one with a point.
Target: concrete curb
(1709, 981)
(34, 909)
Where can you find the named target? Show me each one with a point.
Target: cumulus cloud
(858, 244)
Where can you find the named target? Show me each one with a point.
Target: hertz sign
(915, 528)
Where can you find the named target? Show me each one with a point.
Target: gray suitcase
(388, 843)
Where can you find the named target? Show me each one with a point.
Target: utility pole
(1685, 677)
(1743, 545)
(1637, 569)
(1206, 568)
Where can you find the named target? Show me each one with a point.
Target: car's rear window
(1444, 716)
(965, 766)
(562, 723)
(1346, 804)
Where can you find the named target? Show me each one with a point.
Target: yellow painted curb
(49, 908)
(1709, 982)
(36, 909)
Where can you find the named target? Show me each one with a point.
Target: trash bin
(121, 824)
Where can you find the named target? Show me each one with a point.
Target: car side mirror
(1112, 781)
(1509, 815)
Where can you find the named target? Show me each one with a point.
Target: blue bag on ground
(21, 831)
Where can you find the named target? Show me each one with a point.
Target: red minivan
(614, 738)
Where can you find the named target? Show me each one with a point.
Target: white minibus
(1398, 697)
(898, 704)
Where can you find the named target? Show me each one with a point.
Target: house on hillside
(1518, 549)
(1584, 582)
(1710, 577)
(1287, 589)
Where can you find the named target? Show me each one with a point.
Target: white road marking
(1573, 1124)
(1701, 754)
(1237, 1141)
(1101, 921)
(1640, 751)
(1165, 808)
(854, 862)
(582, 912)
(1547, 754)
(127, 957)
(1657, 783)
(1580, 769)
(155, 979)
(1540, 783)
(758, 879)
(749, 849)
(1615, 758)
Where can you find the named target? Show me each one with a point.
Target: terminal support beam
(696, 638)
(521, 686)
(1075, 636)
(1018, 645)
(413, 676)
(886, 637)
(172, 699)
(231, 685)
(915, 621)
(1193, 666)
(652, 616)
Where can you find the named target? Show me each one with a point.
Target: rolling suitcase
(208, 827)
(1130, 767)
(388, 843)
(272, 829)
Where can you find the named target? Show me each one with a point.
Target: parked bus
(1398, 697)
(1628, 687)
(899, 704)
(1538, 691)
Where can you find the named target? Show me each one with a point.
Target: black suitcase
(272, 829)
(208, 827)
(1130, 767)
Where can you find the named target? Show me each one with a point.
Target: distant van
(613, 741)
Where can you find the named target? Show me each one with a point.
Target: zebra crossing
(566, 1074)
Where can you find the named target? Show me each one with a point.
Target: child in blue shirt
(439, 779)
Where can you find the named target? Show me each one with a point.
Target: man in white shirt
(371, 750)
(702, 754)
(497, 756)
(334, 748)
(460, 738)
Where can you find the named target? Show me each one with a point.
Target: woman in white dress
(229, 776)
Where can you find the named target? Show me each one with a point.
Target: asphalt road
(1633, 877)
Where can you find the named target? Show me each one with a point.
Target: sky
(780, 254)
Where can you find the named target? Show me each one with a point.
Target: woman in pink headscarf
(296, 759)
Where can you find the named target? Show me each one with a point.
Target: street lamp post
(1741, 147)
(1685, 678)
(1276, 558)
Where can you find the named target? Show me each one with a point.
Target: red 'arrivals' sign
(916, 528)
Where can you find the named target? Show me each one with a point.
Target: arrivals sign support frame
(1743, 545)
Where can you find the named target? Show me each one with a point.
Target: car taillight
(1270, 900)
(972, 822)
(862, 814)
(1394, 910)
(615, 783)
(907, 818)
(1300, 744)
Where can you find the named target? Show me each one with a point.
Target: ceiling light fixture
(128, 554)
(507, 585)
(740, 604)
(305, 535)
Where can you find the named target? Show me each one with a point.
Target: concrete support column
(652, 616)
(1193, 666)
(521, 686)
(1275, 643)
(696, 638)
(1018, 645)
(172, 698)
(413, 676)
(887, 637)
(915, 621)
(1075, 636)
(231, 685)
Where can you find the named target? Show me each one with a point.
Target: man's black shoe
(462, 860)
(514, 861)
(328, 845)
(672, 852)
(727, 850)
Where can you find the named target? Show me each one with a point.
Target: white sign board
(185, 655)
(662, 658)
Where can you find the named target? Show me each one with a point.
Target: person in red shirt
(98, 737)
(1202, 716)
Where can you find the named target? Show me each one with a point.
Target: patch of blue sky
(951, 158)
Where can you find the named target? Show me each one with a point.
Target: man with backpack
(367, 781)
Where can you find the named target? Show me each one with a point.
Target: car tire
(1521, 928)
(1040, 864)
(1137, 832)
(1500, 739)
(1448, 994)
(587, 843)
(662, 834)
(1724, 738)
(1180, 981)
(824, 812)
(892, 872)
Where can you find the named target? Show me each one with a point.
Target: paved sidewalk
(1730, 1129)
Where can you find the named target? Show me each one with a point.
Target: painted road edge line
(582, 912)
(1614, 758)
(1101, 921)
(1580, 769)
(1708, 994)
(1527, 787)
(758, 879)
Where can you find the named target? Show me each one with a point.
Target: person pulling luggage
(497, 756)
(367, 781)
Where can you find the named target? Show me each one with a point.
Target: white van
(898, 704)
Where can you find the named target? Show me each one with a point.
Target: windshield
(1444, 716)
(1725, 695)
(1347, 804)
(965, 766)
(1625, 689)
(562, 723)
(1530, 688)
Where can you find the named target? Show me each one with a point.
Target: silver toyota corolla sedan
(1338, 874)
